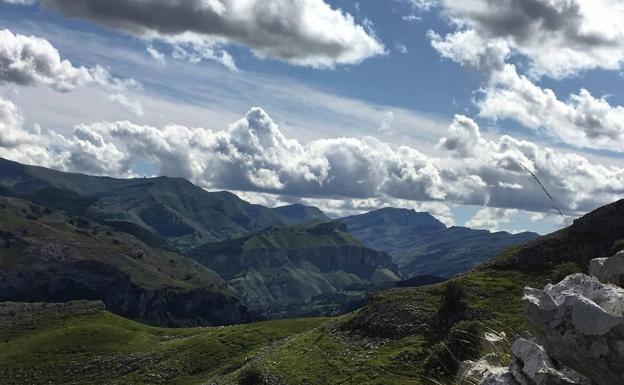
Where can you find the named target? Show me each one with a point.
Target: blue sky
(343, 125)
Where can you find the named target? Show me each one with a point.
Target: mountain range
(416, 335)
(167, 249)
(173, 209)
(422, 245)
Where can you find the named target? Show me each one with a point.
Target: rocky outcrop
(609, 270)
(530, 365)
(580, 322)
(92, 280)
(578, 326)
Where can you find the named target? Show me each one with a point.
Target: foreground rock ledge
(530, 365)
(580, 323)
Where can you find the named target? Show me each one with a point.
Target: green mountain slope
(422, 245)
(402, 336)
(418, 335)
(285, 271)
(173, 209)
(47, 255)
(79, 343)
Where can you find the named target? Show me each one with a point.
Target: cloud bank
(254, 155)
(305, 32)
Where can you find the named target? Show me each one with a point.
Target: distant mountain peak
(299, 212)
(422, 245)
(395, 216)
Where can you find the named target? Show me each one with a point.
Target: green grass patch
(106, 348)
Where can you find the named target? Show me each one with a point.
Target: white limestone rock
(609, 270)
(484, 372)
(531, 366)
(473, 372)
(580, 323)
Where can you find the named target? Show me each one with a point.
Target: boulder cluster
(576, 334)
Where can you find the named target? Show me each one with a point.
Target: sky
(500, 115)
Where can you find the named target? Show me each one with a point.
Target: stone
(580, 323)
(609, 270)
(484, 372)
(531, 365)
(472, 372)
(500, 376)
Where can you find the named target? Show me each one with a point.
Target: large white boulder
(609, 270)
(580, 323)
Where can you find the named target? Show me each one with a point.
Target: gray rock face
(531, 366)
(609, 270)
(580, 323)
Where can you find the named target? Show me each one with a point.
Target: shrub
(563, 270)
(617, 246)
(463, 343)
(453, 298)
(251, 375)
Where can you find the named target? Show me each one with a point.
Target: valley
(284, 262)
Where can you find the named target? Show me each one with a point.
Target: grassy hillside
(173, 209)
(406, 336)
(422, 245)
(47, 255)
(81, 344)
(403, 336)
(292, 270)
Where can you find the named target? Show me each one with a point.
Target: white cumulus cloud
(253, 155)
(30, 60)
(559, 37)
(491, 218)
(21, 2)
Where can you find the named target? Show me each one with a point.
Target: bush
(563, 270)
(617, 246)
(251, 375)
(453, 298)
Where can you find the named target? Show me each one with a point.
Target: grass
(391, 340)
(104, 348)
